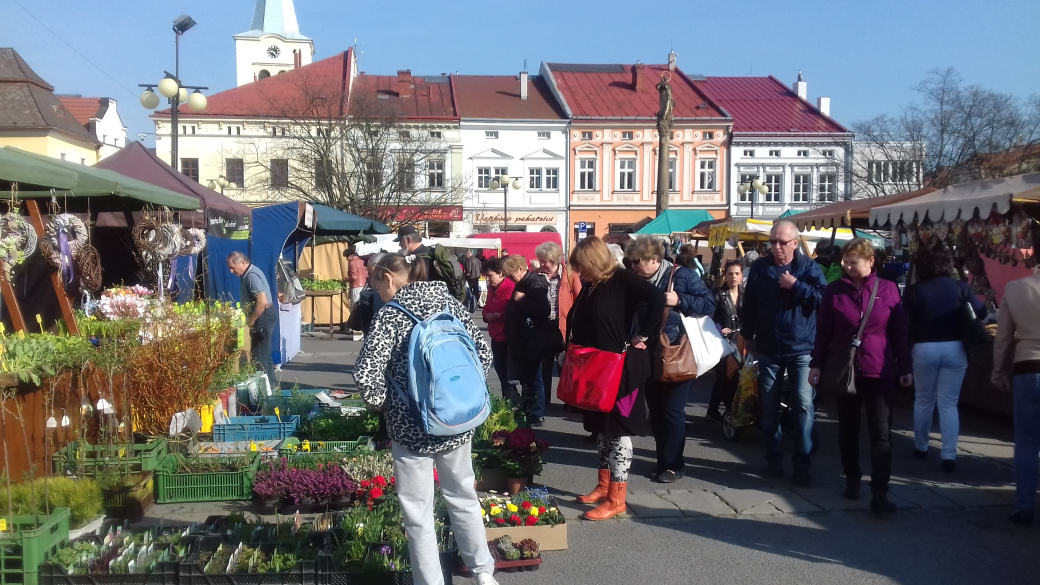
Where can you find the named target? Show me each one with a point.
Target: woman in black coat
(685, 295)
(729, 298)
(527, 312)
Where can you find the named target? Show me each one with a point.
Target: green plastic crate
(142, 457)
(173, 487)
(130, 502)
(22, 552)
(287, 446)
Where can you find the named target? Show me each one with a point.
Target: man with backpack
(440, 265)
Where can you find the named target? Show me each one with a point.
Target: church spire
(273, 45)
(276, 17)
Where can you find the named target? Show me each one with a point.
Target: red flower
(541, 510)
(500, 521)
(436, 477)
(393, 481)
(526, 505)
(365, 483)
(376, 492)
(515, 519)
(531, 521)
(379, 480)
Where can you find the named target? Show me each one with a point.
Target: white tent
(386, 243)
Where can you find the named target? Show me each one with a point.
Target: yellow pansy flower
(512, 507)
(495, 510)
(534, 511)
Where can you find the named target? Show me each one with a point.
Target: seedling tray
(172, 487)
(92, 459)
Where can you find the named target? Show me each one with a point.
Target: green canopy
(335, 222)
(790, 212)
(675, 220)
(16, 168)
(95, 182)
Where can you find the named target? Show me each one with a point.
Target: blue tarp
(221, 285)
(275, 235)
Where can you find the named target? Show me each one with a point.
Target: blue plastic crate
(255, 428)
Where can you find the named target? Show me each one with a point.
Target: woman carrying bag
(862, 307)
(728, 300)
(607, 368)
(527, 313)
(685, 294)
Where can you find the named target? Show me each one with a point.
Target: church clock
(273, 52)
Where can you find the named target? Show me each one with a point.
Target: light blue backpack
(446, 385)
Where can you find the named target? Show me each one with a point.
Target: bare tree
(954, 133)
(360, 156)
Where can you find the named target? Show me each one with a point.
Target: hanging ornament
(63, 238)
(941, 230)
(897, 236)
(65, 421)
(1022, 228)
(52, 423)
(976, 231)
(925, 232)
(105, 407)
(170, 241)
(17, 239)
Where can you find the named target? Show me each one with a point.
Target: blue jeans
(534, 394)
(1027, 438)
(667, 405)
(938, 374)
(801, 402)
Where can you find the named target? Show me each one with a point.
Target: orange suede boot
(600, 492)
(614, 506)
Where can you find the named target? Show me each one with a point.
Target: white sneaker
(484, 579)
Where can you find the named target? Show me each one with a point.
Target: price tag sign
(3, 524)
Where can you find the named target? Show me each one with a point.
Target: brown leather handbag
(674, 363)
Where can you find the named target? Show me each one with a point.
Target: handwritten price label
(3, 525)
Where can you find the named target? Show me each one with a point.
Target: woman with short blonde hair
(549, 252)
(563, 289)
(602, 319)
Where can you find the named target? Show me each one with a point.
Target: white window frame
(543, 135)
(586, 174)
(827, 152)
(706, 175)
(775, 182)
(626, 174)
(749, 152)
(491, 134)
(484, 178)
(586, 135)
(435, 174)
(552, 179)
(709, 135)
(500, 172)
(673, 164)
(436, 134)
(626, 135)
(774, 153)
(802, 188)
(803, 152)
(828, 188)
(534, 178)
(746, 179)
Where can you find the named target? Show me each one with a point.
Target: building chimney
(523, 85)
(671, 60)
(404, 83)
(801, 87)
(637, 74)
(824, 105)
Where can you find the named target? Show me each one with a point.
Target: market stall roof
(674, 220)
(852, 213)
(758, 229)
(335, 222)
(386, 243)
(93, 182)
(963, 200)
(137, 162)
(15, 168)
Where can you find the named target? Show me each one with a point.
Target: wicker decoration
(72, 227)
(194, 241)
(146, 234)
(169, 241)
(15, 230)
(90, 268)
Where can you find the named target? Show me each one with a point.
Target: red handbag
(590, 378)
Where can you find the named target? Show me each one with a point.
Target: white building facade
(273, 44)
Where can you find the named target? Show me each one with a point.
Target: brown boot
(600, 492)
(614, 506)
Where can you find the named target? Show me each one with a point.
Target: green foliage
(367, 464)
(81, 496)
(209, 464)
(330, 425)
(309, 284)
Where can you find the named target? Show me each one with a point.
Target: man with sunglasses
(778, 320)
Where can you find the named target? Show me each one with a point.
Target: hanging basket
(73, 228)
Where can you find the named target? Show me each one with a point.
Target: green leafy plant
(309, 284)
(81, 496)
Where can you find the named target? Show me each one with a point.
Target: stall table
(313, 294)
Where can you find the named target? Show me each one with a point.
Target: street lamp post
(172, 88)
(502, 182)
(220, 182)
(755, 184)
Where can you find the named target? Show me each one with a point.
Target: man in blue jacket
(782, 294)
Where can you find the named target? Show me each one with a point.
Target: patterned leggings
(615, 454)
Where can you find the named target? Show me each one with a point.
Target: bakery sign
(517, 218)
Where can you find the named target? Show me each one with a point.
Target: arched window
(264, 74)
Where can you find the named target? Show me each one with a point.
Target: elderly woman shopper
(685, 295)
(564, 287)
(383, 362)
(500, 290)
(882, 358)
(935, 306)
(728, 300)
(602, 318)
(527, 315)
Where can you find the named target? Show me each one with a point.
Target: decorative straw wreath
(146, 234)
(169, 241)
(74, 230)
(194, 241)
(89, 268)
(17, 234)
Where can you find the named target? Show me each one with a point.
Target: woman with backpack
(384, 360)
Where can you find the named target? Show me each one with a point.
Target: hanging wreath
(64, 229)
(169, 241)
(89, 268)
(17, 239)
(146, 234)
(194, 241)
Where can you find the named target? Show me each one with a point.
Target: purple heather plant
(321, 485)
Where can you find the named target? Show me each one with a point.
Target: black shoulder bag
(839, 371)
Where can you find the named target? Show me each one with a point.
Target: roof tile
(81, 108)
(498, 97)
(764, 104)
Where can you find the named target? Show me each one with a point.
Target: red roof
(764, 104)
(498, 97)
(607, 91)
(286, 95)
(81, 108)
(425, 97)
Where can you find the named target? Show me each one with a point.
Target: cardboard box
(547, 537)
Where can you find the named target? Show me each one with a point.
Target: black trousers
(498, 352)
(724, 389)
(667, 406)
(261, 343)
(875, 395)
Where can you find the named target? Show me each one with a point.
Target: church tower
(273, 44)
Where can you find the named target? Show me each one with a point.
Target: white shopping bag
(708, 345)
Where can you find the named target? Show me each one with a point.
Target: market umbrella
(674, 220)
(16, 168)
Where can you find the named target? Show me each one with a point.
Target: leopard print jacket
(384, 357)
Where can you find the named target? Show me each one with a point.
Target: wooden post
(59, 287)
(13, 309)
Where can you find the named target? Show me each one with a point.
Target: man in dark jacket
(471, 270)
(778, 318)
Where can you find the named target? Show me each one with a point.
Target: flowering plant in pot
(528, 508)
(319, 485)
(520, 451)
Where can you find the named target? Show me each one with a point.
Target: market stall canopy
(852, 213)
(15, 168)
(335, 222)
(674, 220)
(961, 200)
(758, 229)
(386, 243)
(221, 216)
(94, 182)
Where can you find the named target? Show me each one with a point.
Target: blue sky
(865, 54)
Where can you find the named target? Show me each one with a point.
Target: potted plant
(520, 452)
(530, 514)
(125, 494)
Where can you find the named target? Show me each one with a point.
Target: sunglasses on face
(779, 242)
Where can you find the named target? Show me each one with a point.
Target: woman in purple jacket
(883, 357)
